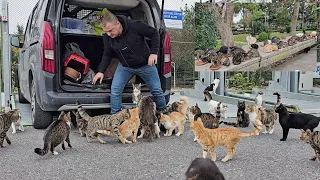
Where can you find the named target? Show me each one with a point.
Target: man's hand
(152, 59)
(98, 76)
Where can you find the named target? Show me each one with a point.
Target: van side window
(27, 31)
(36, 21)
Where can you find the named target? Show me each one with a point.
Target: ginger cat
(269, 48)
(173, 120)
(211, 138)
(128, 127)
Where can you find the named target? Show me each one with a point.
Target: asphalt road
(261, 157)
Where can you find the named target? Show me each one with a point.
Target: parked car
(41, 60)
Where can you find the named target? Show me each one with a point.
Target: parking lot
(258, 157)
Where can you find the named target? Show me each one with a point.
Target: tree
(224, 13)
(294, 19)
(206, 34)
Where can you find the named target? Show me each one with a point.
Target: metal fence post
(174, 73)
(6, 49)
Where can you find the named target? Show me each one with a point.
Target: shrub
(288, 28)
(263, 36)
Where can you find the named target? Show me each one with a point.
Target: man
(125, 38)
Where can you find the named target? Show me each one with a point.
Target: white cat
(213, 108)
(216, 84)
(14, 124)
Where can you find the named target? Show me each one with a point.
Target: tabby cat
(256, 116)
(209, 120)
(6, 120)
(98, 124)
(18, 123)
(312, 138)
(282, 44)
(56, 134)
(242, 117)
(81, 123)
(238, 55)
(292, 41)
(253, 52)
(209, 139)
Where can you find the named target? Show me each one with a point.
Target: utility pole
(6, 51)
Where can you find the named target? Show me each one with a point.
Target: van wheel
(21, 98)
(40, 119)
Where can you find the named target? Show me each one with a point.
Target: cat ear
(139, 85)
(302, 130)
(132, 85)
(197, 105)
(68, 114)
(308, 131)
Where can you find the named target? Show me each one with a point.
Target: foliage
(206, 33)
(249, 80)
(239, 81)
(263, 36)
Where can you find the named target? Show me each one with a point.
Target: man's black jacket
(130, 47)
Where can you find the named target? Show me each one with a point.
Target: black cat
(242, 117)
(294, 120)
(206, 91)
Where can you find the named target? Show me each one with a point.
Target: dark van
(52, 25)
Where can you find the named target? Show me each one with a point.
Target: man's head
(111, 25)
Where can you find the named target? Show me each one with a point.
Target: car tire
(40, 119)
(21, 98)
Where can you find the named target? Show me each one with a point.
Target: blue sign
(173, 19)
(316, 74)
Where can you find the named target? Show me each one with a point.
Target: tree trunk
(294, 18)
(225, 18)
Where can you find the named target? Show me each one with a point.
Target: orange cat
(173, 120)
(128, 127)
(211, 138)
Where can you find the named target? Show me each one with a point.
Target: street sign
(316, 74)
(4, 14)
(173, 19)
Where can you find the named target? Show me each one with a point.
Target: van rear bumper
(55, 101)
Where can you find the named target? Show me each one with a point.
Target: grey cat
(6, 120)
(56, 134)
(136, 94)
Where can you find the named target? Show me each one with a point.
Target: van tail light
(47, 49)
(167, 54)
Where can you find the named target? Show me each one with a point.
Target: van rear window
(81, 20)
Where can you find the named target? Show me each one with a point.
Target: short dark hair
(203, 169)
(107, 18)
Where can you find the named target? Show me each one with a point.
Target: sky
(19, 10)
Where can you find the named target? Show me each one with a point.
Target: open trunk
(75, 28)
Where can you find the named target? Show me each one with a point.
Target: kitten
(282, 44)
(270, 121)
(213, 105)
(97, 124)
(243, 119)
(256, 116)
(275, 40)
(6, 120)
(292, 41)
(202, 169)
(81, 123)
(312, 138)
(238, 55)
(14, 124)
(269, 48)
(209, 139)
(56, 134)
(259, 100)
(209, 120)
(253, 52)
(148, 119)
(136, 94)
(294, 120)
(171, 121)
(224, 59)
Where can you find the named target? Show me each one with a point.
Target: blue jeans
(122, 76)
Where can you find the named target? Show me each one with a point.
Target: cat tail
(82, 113)
(278, 97)
(257, 129)
(218, 111)
(149, 131)
(47, 143)
(185, 105)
